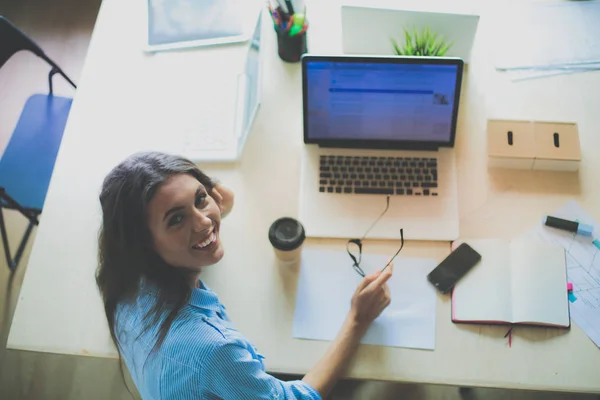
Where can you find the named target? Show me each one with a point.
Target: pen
(276, 18)
(300, 25)
(290, 7)
(283, 11)
(289, 25)
(569, 226)
(274, 15)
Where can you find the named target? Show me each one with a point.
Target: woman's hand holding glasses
(371, 297)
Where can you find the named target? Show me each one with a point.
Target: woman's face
(184, 221)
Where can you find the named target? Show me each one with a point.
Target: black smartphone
(453, 268)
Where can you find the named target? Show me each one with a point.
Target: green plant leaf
(448, 46)
(434, 37)
(417, 39)
(424, 42)
(407, 38)
(419, 43)
(407, 42)
(397, 48)
(443, 50)
(438, 45)
(431, 45)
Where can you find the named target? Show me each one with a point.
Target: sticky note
(596, 243)
(570, 287)
(572, 297)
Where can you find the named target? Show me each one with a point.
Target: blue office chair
(28, 161)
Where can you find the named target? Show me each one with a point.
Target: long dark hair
(125, 248)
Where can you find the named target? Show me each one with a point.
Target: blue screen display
(380, 101)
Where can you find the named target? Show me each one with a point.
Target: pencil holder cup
(291, 48)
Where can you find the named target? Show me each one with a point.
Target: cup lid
(286, 234)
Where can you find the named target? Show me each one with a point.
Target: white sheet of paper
(547, 38)
(543, 34)
(583, 267)
(327, 282)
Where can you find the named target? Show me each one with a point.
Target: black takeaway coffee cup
(287, 236)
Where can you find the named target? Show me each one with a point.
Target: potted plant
(425, 43)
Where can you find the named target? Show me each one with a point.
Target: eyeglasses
(355, 245)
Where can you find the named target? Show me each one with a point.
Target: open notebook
(516, 282)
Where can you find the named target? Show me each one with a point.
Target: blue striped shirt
(202, 357)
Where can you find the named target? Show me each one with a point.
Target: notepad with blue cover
(516, 282)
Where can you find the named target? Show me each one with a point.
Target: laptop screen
(384, 100)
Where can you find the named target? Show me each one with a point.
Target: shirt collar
(203, 297)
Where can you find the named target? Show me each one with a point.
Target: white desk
(125, 103)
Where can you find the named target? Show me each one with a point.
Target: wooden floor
(63, 29)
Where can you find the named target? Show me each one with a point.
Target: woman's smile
(209, 242)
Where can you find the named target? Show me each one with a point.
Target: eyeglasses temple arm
(398, 252)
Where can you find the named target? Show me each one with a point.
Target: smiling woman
(138, 243)
(184, 222)
(160, 228)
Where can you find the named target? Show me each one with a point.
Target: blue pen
(276, 18)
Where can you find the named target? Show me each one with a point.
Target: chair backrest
(12, 40)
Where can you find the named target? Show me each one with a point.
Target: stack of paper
(546, 39)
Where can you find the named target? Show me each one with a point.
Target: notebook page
(539, 283)
(484, 293)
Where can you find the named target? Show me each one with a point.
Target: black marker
(290, 7)
(570, 226)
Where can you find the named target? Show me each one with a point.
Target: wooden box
(511, 144)
(537, 145)
(556, 147)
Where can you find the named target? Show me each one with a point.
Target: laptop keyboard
(408, 176)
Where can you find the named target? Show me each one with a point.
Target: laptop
(223, 120)
(379, 126)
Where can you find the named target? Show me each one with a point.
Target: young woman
(161, 223)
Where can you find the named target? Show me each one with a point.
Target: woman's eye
(200, 200)
(176, 219)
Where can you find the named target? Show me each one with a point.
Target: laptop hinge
(378, 146)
